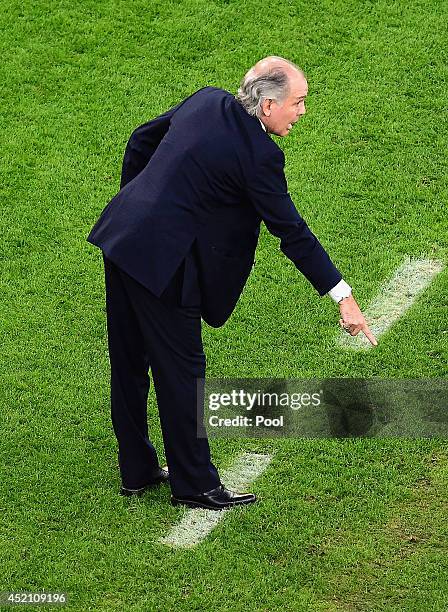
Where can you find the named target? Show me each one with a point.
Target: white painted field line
(394, 299)
(197, 523)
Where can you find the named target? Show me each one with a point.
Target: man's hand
(353, 320)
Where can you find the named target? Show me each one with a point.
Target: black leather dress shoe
(216, 499)
(162, 476)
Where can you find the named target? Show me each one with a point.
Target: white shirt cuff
(340, 291)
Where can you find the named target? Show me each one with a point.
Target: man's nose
(302, 109)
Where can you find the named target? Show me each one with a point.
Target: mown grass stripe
(196, 524)
(394, 299)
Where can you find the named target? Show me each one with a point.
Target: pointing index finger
(369, 335)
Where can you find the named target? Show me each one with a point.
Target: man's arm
(144, 141)
(142, 144)
(267, 190)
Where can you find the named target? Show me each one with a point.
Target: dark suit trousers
(163, 335)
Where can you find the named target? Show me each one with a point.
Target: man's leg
(174, 346)
(129, 363)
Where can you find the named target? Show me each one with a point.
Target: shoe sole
(191, 504)
(134, 492)
(139, 492)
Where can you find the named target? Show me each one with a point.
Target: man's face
(279, 118)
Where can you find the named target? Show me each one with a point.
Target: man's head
(274, 90)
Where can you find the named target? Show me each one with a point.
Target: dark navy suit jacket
(205, 173)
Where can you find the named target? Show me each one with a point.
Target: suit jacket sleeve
(144, 141)
(267, 190)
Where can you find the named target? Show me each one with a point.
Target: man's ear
(266, 106)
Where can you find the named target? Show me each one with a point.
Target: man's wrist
(340, 291)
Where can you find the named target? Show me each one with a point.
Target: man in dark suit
(178, 242)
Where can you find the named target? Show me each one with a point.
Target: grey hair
(254, 89)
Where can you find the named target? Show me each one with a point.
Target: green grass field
(352, 525)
